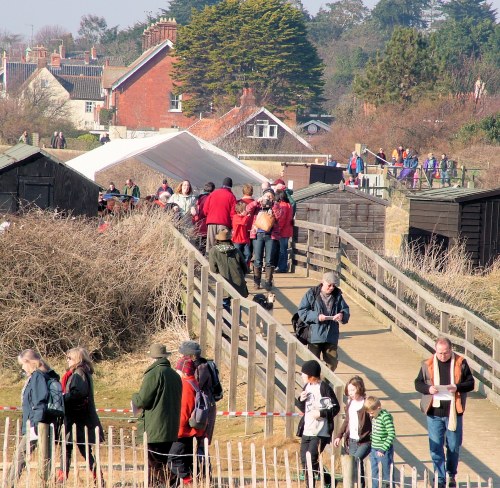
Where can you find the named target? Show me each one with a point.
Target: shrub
(66, 285)
(485, 130)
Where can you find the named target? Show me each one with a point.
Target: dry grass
(451, 275)
(65, 285)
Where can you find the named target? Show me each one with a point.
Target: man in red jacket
(219, 209)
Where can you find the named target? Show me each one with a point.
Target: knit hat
(186, 365)
(190, 348)
(312, 368)
(227, 182)
(279, 182)
(268, 190)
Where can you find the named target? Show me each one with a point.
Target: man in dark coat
(160, 401)
(324, 308)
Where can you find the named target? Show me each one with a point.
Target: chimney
(41, 62)
(159, 32)
(86, 56)
(106, 62)
(55, 60)
(248, 98)
(93, 53)
(62, 51)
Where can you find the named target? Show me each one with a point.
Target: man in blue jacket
(323, 307)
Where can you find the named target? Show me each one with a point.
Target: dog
(266, 301)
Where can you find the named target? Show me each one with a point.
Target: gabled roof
(456, 195)
(111, 74)
(319, 123)
(317, 189)
(144, 58)
(81, 87)
(215, 130)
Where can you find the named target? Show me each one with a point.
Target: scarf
(65, 379)
(452, 419)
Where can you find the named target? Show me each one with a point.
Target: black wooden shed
(29, 175)
(452, 214)
(356, 212)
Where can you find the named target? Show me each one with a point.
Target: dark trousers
(158, 458)
(327, 352)
(181, 457)
(315, 445)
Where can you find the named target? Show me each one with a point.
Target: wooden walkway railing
(249, 339)
(394, 299)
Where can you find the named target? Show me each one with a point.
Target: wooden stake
(4, 451)
(230, 465)
(217, 460)
(240, 458)
(122, 457)
(110, 456)
(146, 459)
(264, 467)
(97, 457)
(253, 465)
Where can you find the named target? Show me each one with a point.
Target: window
(175, 103)
(262, 129)
(44, 83)
(89, 107)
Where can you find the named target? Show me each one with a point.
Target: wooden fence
(121, 462)
(414, 313)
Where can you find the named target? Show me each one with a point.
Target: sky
(36, 14)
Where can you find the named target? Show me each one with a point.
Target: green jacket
(160, 400)
(228, 261)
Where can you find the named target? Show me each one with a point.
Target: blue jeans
(260, 243)
(439, 436)
(359, 452)
(245, 250)
(386, 460)
(283, 258)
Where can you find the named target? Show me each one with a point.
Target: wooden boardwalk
(389, 367)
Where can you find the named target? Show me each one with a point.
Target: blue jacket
(312, 305)
(35, 398)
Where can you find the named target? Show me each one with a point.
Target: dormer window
(262, 129)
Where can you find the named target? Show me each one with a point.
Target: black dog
(265, 301)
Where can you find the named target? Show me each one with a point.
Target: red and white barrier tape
(219, 413)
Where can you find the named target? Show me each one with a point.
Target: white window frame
(262, 129)
(175, 102)
(44, 83)
(89, 105)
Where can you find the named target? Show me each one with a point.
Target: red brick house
(250, 128)
(141, 95)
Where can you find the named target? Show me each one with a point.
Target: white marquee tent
(180, 155)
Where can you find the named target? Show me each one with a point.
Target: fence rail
(397, 300)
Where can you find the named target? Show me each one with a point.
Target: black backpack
(55, 401)
(217, 391)
(301, 329)
(199, 415)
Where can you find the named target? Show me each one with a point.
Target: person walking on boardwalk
(323, 307)
(444, 381)
(159, 400)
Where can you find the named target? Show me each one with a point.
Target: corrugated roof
(451, 194)
(82, 87)
(318, 189)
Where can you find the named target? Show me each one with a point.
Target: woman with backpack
(34, 400)
(78, 388)
(181, 452)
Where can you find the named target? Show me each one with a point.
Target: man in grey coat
(323, 307)
(159, 400)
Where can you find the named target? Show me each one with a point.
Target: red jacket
(241, 234)
(254, 208)
(246, 200)
(187, 407)
(219, 207)
(286, 220)
(200, 219)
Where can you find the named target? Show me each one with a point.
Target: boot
(257, 275)
(268, 283)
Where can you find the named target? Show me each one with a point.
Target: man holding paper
(444, 380)
(323, 307)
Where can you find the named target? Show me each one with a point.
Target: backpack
(199, 415)
(217, 390)
(301, 329)
(55, 400)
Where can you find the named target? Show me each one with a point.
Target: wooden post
(4, 451)
(110, 456)
(74, 451)
(288, 477)
(308, 252)
(298, 467)
(240, 458)
(322, 472)
(347, 471)
(206, 455)
(87, 456)
(327, 244)
(253, 465)
(217, 461)
(146, 460)
(270, 373)
(52, 474)
(122, 457)
(496, 357)
(275, 464)
(43, 453)
(28, 454)
(229, 465)
(189, 293)
(196, 444)
(444, 322)
(97, 456)
(204, 310)
(264, 467)
(380, 282)
(251, 370)
(414, 477)
(291, 356)
(219, 310)
(469, 338)
(233, 358)
(400, 293)
(421, 313)
(134, 459)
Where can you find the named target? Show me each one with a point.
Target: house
(29, 175)
(250, 128)
(141, 96)
(72, 87)
(451, 215)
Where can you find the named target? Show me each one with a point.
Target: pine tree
(258, 43)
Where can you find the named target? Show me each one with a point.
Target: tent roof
(180, 155)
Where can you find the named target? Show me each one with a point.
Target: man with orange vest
(444, 380)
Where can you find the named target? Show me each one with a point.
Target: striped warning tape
(219, 413)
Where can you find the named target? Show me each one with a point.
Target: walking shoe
(451, 482)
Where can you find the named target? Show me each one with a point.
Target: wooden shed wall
(364, 219)
(304, 175)
(65, 188)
